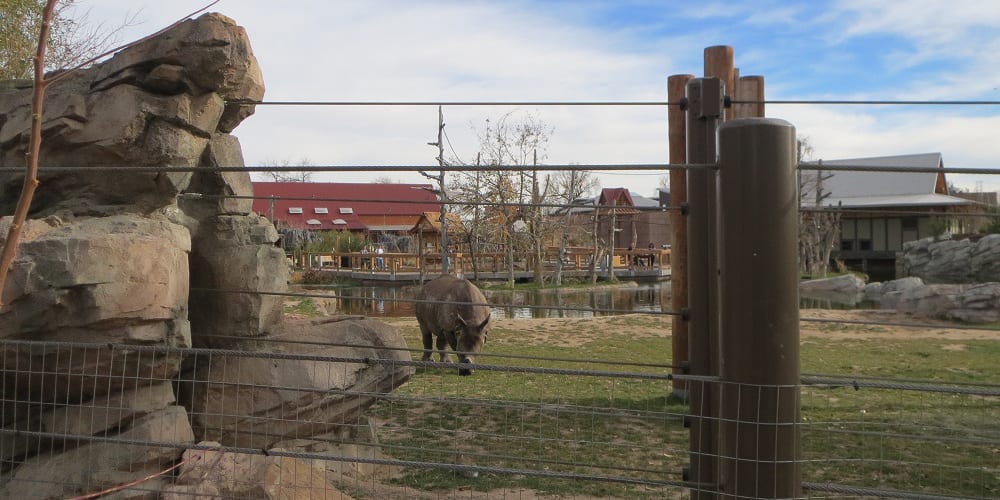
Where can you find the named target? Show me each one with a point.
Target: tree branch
(34, 146)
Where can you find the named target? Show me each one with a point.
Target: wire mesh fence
(593, 414)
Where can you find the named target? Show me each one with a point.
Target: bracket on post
(711, 101)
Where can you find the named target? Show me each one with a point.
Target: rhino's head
(471, 337)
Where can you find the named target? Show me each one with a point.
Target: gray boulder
(159, 103)
(845, 289)
(951, 261)
(985, 259)
(977, 304)
(845, 284)
(219, 474)
(98, 465)
(244, 401)
(877, 290)
(111, 280)
(235, 254)
(933, 301)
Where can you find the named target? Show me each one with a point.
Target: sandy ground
(816, 323)
(825, 323)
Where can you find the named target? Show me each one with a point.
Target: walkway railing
(575, 259)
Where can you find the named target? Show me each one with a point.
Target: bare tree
(818, 228)
(71, 40)
(284, 171)
(511, 198)
(570, 187)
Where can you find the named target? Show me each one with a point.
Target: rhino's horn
(461, 319)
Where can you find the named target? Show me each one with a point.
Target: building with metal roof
(356, 207)
(882, 210)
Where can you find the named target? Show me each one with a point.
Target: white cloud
(444, 50)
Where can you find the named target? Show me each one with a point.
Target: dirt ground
(815, 323)
(853, 324)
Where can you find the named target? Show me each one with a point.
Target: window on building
(910, 223)
(346, 210)
(295, 210)
(313, 222)
(846, 245)
(865, 245)
(321, 210)
(339, 222)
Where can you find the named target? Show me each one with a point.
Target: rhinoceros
(455, 311)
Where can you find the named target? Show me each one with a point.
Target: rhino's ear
(485, 321)
(461, 319)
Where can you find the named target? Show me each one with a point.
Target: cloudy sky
(604, 50)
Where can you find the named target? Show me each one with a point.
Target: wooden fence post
(677, 136)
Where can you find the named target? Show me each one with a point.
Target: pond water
(395, 301)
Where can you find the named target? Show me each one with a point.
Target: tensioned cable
(611, 167)
(875, 212)
(452, 103)
(910, 325)
(826, 167)
(406, 349)
(820, 209)
(353, 359)
(874, 102)
(857, 384)
(418, 301)
(895, 435)
(606, 167)
(340, 458)
(196, 196)
(859, 491)
(901, 380)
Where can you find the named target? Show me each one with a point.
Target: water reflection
(394, 301)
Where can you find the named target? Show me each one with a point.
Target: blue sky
(605, 50)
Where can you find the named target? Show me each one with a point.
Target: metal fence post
(677, 136)
(759, 329)
(705, 100)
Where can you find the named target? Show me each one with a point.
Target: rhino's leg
(428, 340)
(442, 347)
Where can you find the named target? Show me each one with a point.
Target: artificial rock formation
(132, 265)
(953, 261)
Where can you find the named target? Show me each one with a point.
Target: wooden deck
(397, 267)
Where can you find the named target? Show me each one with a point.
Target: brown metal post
(758, 430)
(676, 132)
(705, 101)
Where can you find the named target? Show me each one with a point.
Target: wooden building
(357, 207)
(883, 210)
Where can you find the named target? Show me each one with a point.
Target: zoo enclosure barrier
(741, 427)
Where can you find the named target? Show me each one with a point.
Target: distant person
(379, 260)
(652, 248)
(364, 257)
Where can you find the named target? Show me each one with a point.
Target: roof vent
(339, 221)
(313, 222)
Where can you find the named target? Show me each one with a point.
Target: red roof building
(344, 206)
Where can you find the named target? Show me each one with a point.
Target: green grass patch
(936, 443)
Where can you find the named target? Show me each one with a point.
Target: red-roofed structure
(356, 207)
